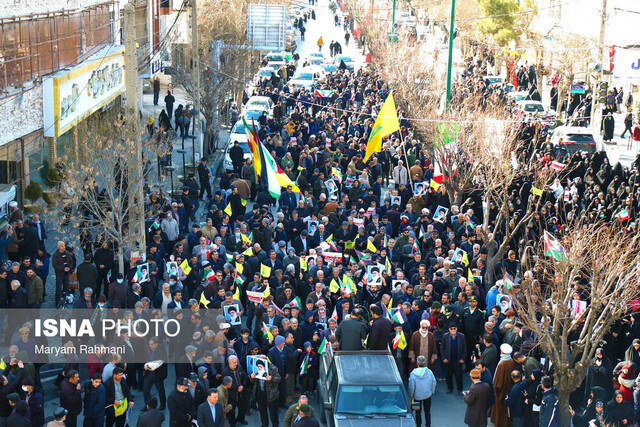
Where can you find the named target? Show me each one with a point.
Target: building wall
(22, 114)
(11, 8)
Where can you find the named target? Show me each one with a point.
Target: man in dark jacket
(205, 415)
(236, 392)
(453, 351)
(380, 330)
(113, 399)
(87, 278)
(477, 400)
(155, 377)
(265, 393)
(549, 401)
(104, 260)
(305, 418)
(516, 399)
(63, 263)
(181, 405)
(151, 416)
(118, 291)
(35, 400)
(94, 401)
(71, 397)
(351, 332)
(9, 386)
(204, 174)
(237, 157)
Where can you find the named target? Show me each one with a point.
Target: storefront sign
(71, 96)
(626, 63)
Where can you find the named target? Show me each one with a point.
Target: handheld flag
(245, 239)
(537, 191)
(387, 266)
(248, 252)
(239, 267)
(304, 364)
(471, 278)
(209, 275)
(390, 306)
(349, 245)
(296, 302)
(434, 185)
(265, 270)
(385, 124)
(553, 248)
(266, 292)
(623, 215)
(557, 166)
(203, 300)
(334, 315)
(265, 331)
(465, 259)
(399, 341)
(333, 286)
(227, 210)
(303, 264)
(185, 267)
(252, 140)
(348, 283)
(371, 247)
(397, 317)
(236, 294)
(323, 346)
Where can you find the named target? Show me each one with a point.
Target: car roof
(372, 368)
(523, 102)
(578, 130)
(258, 98)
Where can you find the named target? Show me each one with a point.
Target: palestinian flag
(553, 248)
(229, 257)
(397, 317)
(303, 365)
(238, 279)
(323, 346)
(557, 166)
(324, 93)
(265, 331)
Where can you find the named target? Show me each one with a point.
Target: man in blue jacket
(549, 401)
(516, 399)
(422, 385)
(94, 401)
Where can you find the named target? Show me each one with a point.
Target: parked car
(264, 72)
(305, 78)
(348, 61)
(517, 96)
(372, 396)
(574, 138)
(238, 134)
(275, 60)
(259, 104)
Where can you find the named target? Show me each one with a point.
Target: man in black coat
(453, 351)
(237, 157)
(305, 420)
(151, 417)
(110, 398)
(204, 175)
(9, 386)
(380, 330)
(71, 397)
(206, 411)
(155, 377)
(181, 405)
(351, 332)
(477, 400)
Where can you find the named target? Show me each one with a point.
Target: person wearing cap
(477, 400)
(453, 351)
(59, 418)
(473, 327)
(265, 393)
(502, 383)
(305, 417)
(181, 405)
(116, 391)
(292, 415)
(187, 362)
(278, 357)
(19, 416)
(196, 389)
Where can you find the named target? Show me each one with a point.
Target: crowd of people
(357, 256)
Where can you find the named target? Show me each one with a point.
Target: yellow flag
(245, 238)
(227, 210)
(371, 247)
(537, 191)
(236, 294)
(239, 267)
(248, 252)
(333, 286)
(471, 278)
(465, 259)
(386, 123)
(244, 202)
(121, 408)
(303, 264)
(265, 270)
(203, 300)
(390, 306)
(349, 245)
(434, 185)
(185, 267)
(266, 292)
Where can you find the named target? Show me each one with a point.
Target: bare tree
(602, 267)
(96, 192)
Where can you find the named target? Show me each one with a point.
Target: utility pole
(596, 116)
(216, 48)
(136, 198)
(196, 71)
(450, 62)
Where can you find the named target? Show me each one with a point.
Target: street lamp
(450, 63)
(171, 169)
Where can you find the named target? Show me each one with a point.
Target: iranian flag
(323, 346)
(553, 248)
(334, 316)
(296, 303)
(623, 215)
(209, 275)
(324, 93)
(557, 166)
